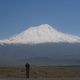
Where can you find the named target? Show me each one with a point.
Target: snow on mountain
(40, 34)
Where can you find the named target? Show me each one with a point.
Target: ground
(42, 71)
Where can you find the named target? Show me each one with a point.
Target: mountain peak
(43, 26)
(41, 34)
(46, 26)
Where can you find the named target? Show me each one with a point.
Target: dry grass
(36, 72)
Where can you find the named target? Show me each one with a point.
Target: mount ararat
(40, 45)
(41, 34)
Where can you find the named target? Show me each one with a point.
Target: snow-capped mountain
(41, 34)
(57, 48)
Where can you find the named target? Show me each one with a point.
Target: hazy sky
(18, 15)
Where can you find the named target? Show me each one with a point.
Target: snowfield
(41, 34)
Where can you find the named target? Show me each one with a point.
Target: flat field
(41, 72)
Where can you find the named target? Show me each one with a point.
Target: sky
(18, 15)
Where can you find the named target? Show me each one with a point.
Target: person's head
(27, 64)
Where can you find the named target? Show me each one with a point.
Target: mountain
(40, 54)
(40, 45)
(40, 34)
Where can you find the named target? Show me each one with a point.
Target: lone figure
(27, 65)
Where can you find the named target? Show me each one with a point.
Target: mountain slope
(41, 34)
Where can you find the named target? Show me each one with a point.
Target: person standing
(27, 65)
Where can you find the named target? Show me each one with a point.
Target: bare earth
(41, 79)
(41, 73)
